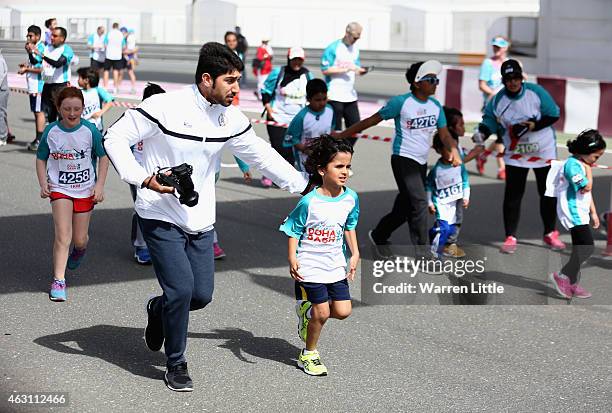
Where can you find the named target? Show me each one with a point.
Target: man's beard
(221, 101)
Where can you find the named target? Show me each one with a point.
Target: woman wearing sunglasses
(418, 116)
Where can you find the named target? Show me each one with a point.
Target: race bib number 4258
(74, 177)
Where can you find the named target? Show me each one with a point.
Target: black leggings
(516, 177)
(49, 93)
(277, 135)
(410, 204)
(582, 249)
(347, 110)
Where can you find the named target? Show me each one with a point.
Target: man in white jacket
(192, 126)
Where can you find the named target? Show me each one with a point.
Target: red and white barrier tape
(359, 135)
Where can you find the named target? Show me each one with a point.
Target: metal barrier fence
(382, 60)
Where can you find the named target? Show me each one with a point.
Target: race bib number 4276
(74, 177)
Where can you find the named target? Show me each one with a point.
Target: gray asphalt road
(548, 356)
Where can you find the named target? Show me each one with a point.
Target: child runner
(66, 168)
(97, 100)
(573, 183)
(456, 127)
(314, 120)
(141, 251)
(448, 191)
(317, 229)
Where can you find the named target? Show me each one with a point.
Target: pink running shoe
(218, 251)
(266, 182)
(552, 240)
(580, 292)
(561, 284)
(509, 246)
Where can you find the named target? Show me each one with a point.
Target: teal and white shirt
(319, 222)
(307, 126)
(532, 102)
(288, 99)
(34, 80)
(95, 98)
(341, 86)
(114, 42)
(446, 185)
(573, 207)
(490, 72)
(416, 122)
(97, 42)
(52, 74)
(71, 156)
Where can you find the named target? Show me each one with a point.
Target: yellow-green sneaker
(311, 364)
(301, 309)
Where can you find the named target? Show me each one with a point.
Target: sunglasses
(431, 79)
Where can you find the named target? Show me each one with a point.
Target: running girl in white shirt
(66, 169)
(317, 230)
(573, 182)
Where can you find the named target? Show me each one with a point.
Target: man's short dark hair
(315, 86)
(62, 31)
(230, 33)
(34, 29)
(89, 74)
(48, 22)
(216, 60)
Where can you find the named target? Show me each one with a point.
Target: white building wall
(575, 41)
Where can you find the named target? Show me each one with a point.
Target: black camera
(180, 179)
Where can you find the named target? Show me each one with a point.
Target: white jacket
(182, 126)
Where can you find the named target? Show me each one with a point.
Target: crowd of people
(311, 156)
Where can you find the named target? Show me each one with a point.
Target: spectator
(340, 63)
(262, 64)
(115, 45)
(97, 53)
(131, 60)
(231, 41)
(50, 24)
(242, 48)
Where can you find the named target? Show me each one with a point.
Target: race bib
(75, 172)
(450, 185)
(527, 148)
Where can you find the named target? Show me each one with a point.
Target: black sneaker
(33, 146)
(154, 331)
(381, 250)
(177, 378)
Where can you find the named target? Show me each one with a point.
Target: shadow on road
(241, 342)
(124, 347)
(121, 346)
(248, 231)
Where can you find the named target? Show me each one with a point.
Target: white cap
(296, 52)
(430, 66)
